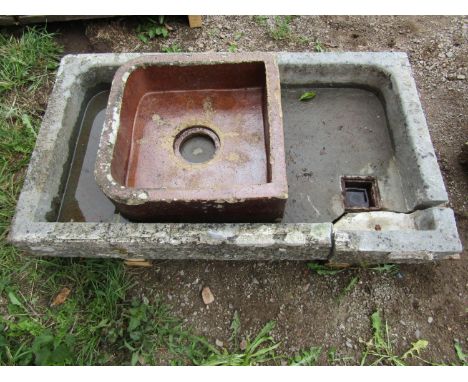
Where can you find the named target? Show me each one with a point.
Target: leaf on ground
(235, 327)
(461, 356)
(135, 359)
(323, 270)
(377, 326)
(27, 122)
(348, 288)
(61, 297)
(13, 299)
(307, 96)
(143, 38)
(383, 268)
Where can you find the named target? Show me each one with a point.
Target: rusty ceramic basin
(195, 139)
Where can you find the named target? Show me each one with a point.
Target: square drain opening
(360, 193)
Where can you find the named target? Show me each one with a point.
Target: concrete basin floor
(341, 132)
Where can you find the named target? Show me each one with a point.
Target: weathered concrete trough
(364, 183)
(195, 139)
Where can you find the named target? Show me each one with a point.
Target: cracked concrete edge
(300, 241)
(390, 75)
(424, 235)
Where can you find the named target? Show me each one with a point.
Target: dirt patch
(421, 301)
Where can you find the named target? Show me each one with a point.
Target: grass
(261, 20)
(146, 330)
(281, 29)
(26, 62)
(74, 328)
(257, 351)
(26, 66)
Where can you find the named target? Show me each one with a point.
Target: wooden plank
(7, 20)
(22, 20)
(138, 263)
(195, 21)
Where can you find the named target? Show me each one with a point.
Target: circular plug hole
(197, 144)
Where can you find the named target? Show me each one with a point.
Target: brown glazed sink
(195, 138)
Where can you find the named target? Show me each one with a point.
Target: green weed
(334, 358)
(391, 269)
(306, 357)
(462, 357)
(348, 288)
(232, 47)
(379, 349)
(151, 28)
(260, 350)
(238, 35)
(212, 32)
(260, 20)
(235, 327)
(318, 47)
(174, 48)
(329, 270)
(149, 329)
(281, 29)
(302, 39)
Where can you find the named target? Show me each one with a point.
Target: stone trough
(364, 185)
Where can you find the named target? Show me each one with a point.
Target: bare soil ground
(422, 301)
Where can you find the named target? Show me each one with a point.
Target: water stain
(83, 201)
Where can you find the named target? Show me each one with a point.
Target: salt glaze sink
(195, 139)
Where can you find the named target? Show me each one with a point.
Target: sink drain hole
(197, 144)
(360, 193)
